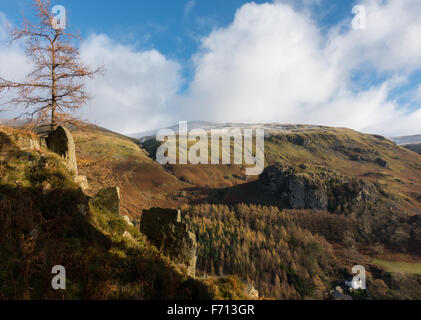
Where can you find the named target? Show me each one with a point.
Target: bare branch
(55, 88)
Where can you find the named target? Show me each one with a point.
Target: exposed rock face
(381, 162)
(251, 292)
(61, 142)
(296, 190)
(317, 191)
(164, 229)
(82, 181)
(108, 198)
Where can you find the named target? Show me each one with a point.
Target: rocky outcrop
(61, 142)
(294, 188)
(109, 199)
(381, 162)
(251, 292)
(163, 227)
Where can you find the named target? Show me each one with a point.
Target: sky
(238, 61)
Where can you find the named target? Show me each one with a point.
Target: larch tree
(55, 89)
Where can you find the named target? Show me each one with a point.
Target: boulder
(109, 199)
(61, 142)
(381, 162)
(163, 227)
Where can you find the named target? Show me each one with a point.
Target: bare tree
(55, 88)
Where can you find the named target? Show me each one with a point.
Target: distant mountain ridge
(407, 139)
(409, 142)
(206, 125)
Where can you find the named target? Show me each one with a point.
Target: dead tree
(55, 89)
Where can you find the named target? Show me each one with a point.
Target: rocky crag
(298, 188)
(164, 229)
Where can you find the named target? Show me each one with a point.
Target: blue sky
(173, 27)
(238, 61)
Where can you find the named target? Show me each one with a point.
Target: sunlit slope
(349, 153)
(322, 151)
(111, 159)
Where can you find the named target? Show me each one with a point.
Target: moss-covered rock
(164, 229)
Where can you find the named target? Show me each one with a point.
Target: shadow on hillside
(61, 211)
(377, 223)
(39, 230)
(246, 193)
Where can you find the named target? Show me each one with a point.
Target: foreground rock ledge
(164, 229)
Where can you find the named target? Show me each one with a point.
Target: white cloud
(273, 64)
(13, 62)
(389, 43)
(189, 6)
(137, 88)
(134, 93)
(266, 62)
(417, 94)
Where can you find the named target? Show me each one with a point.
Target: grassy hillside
(109, 159)
(373, 204)
(374, 201)
(321, 151)
(352, 154)
(399, 267)
(46, 220)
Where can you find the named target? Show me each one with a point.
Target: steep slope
(329, 154)
(324, 153)
(110, 159)
(46, 220)
(358, 192)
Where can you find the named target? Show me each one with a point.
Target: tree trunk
(53, 86)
